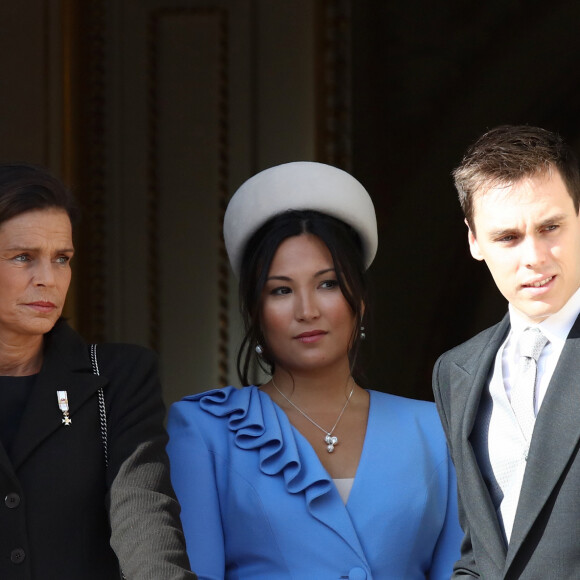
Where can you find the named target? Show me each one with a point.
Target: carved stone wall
(195, 97)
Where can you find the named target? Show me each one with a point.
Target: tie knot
(532, 342)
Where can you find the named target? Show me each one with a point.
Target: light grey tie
(523, 393)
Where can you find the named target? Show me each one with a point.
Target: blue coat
(257, 503)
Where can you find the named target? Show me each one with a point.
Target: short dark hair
(25, 187)
(347, 254)
(505, 155)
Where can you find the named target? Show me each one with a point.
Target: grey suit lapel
(555, 438)
(469, 382)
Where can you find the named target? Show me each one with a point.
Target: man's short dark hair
(508, 154)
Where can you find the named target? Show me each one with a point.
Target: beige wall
(191, 99)
(184, 132)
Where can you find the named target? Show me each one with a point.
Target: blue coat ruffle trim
(258, 424)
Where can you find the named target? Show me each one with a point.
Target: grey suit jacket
(545, 541)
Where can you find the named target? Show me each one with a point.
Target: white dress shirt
(556, 329)
(507, 447)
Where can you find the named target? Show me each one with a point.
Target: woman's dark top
(14, 393)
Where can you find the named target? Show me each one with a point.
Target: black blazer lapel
(555, 438)
(69, 371)
(469, 379)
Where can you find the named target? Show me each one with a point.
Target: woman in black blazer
(83, 470)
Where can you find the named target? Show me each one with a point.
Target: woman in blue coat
(309, 476)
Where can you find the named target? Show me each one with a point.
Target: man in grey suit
(509, 398)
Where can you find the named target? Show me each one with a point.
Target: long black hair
(347, 254)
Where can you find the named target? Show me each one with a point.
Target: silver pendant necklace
(330, 439)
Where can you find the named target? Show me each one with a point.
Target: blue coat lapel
(329, 509)
(323, 500)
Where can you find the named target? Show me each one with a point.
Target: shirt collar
(556, 327)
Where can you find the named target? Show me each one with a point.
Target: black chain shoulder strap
(102, 410)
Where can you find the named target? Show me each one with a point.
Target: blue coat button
(357, 574)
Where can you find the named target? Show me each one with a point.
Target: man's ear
(473, 245)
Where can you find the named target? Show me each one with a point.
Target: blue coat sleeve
(193, 473)
(447, 547)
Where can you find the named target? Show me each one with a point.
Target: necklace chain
(330, 439)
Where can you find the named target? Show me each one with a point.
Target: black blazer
(61, 502)
(545, 540)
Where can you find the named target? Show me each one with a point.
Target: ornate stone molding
(335, 109)
(155, 19)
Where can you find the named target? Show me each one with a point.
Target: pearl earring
(362, 333)
(259, 349)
